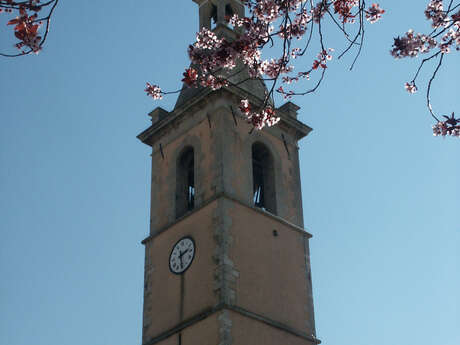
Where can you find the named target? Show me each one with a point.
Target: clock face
(182, 255)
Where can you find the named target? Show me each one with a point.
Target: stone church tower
(227, 258)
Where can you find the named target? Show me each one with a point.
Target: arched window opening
(263, 177)
(213, 17)
(259, 187)
(228, 12)
(228, 15)
(185, 186)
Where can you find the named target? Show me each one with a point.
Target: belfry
(227, 258)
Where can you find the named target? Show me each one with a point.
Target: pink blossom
(435, 12)
(411, 45)
(153, 91)
(27, 24)
(26, 30)
(319, 11)
(344, 10)
(266, 117)
(411, 87)
(374, 13)
(441, 129)
(449, 127)
(322, 59)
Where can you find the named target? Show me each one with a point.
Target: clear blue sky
(381, 194)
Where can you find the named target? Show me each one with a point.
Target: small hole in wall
(275, 233)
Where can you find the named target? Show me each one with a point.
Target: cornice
(148, 136)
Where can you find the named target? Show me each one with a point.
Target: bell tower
(227, 259)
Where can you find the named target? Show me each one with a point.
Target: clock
(182, 255)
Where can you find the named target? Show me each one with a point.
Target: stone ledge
(240, 202)
(223, 307)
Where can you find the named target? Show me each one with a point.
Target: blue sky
(381, 194)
